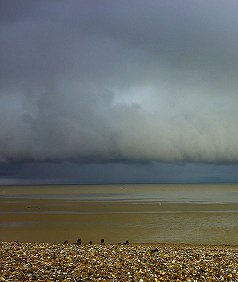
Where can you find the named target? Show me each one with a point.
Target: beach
(175, 233)
(190, 214)
(111, 262)
(54, 221)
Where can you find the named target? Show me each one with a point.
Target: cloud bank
(106, 81)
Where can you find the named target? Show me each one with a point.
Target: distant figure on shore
(79, 242)
(66, 242)
(102, 241)
(127, 242)
(90, 242)
(154, 250)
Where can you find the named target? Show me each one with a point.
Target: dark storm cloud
(97, 173)
(119, 80)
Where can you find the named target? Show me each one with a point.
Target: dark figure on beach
(102, 241)
(127, 242)
(66, 242)
(78, 242)
(154, 250)
(90, 242)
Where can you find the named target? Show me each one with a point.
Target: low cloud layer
(110, 81)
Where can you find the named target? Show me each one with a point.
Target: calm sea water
(171, 213)
(177, 193)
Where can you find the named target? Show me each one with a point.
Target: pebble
(72, 262)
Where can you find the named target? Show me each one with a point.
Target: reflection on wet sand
(144, 222)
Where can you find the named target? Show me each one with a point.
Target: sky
(118, 91)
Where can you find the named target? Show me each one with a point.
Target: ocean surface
(140, 213)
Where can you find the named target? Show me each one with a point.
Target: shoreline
(131, 244)
(58, 220)
(111, 262)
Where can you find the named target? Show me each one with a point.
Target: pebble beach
(112, 262)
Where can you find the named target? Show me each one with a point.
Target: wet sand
(46, 220)
(42, 224)
(161, 262)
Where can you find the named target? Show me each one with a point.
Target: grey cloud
(112, 81)
(100, 173)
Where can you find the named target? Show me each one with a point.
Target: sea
(139, 213)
